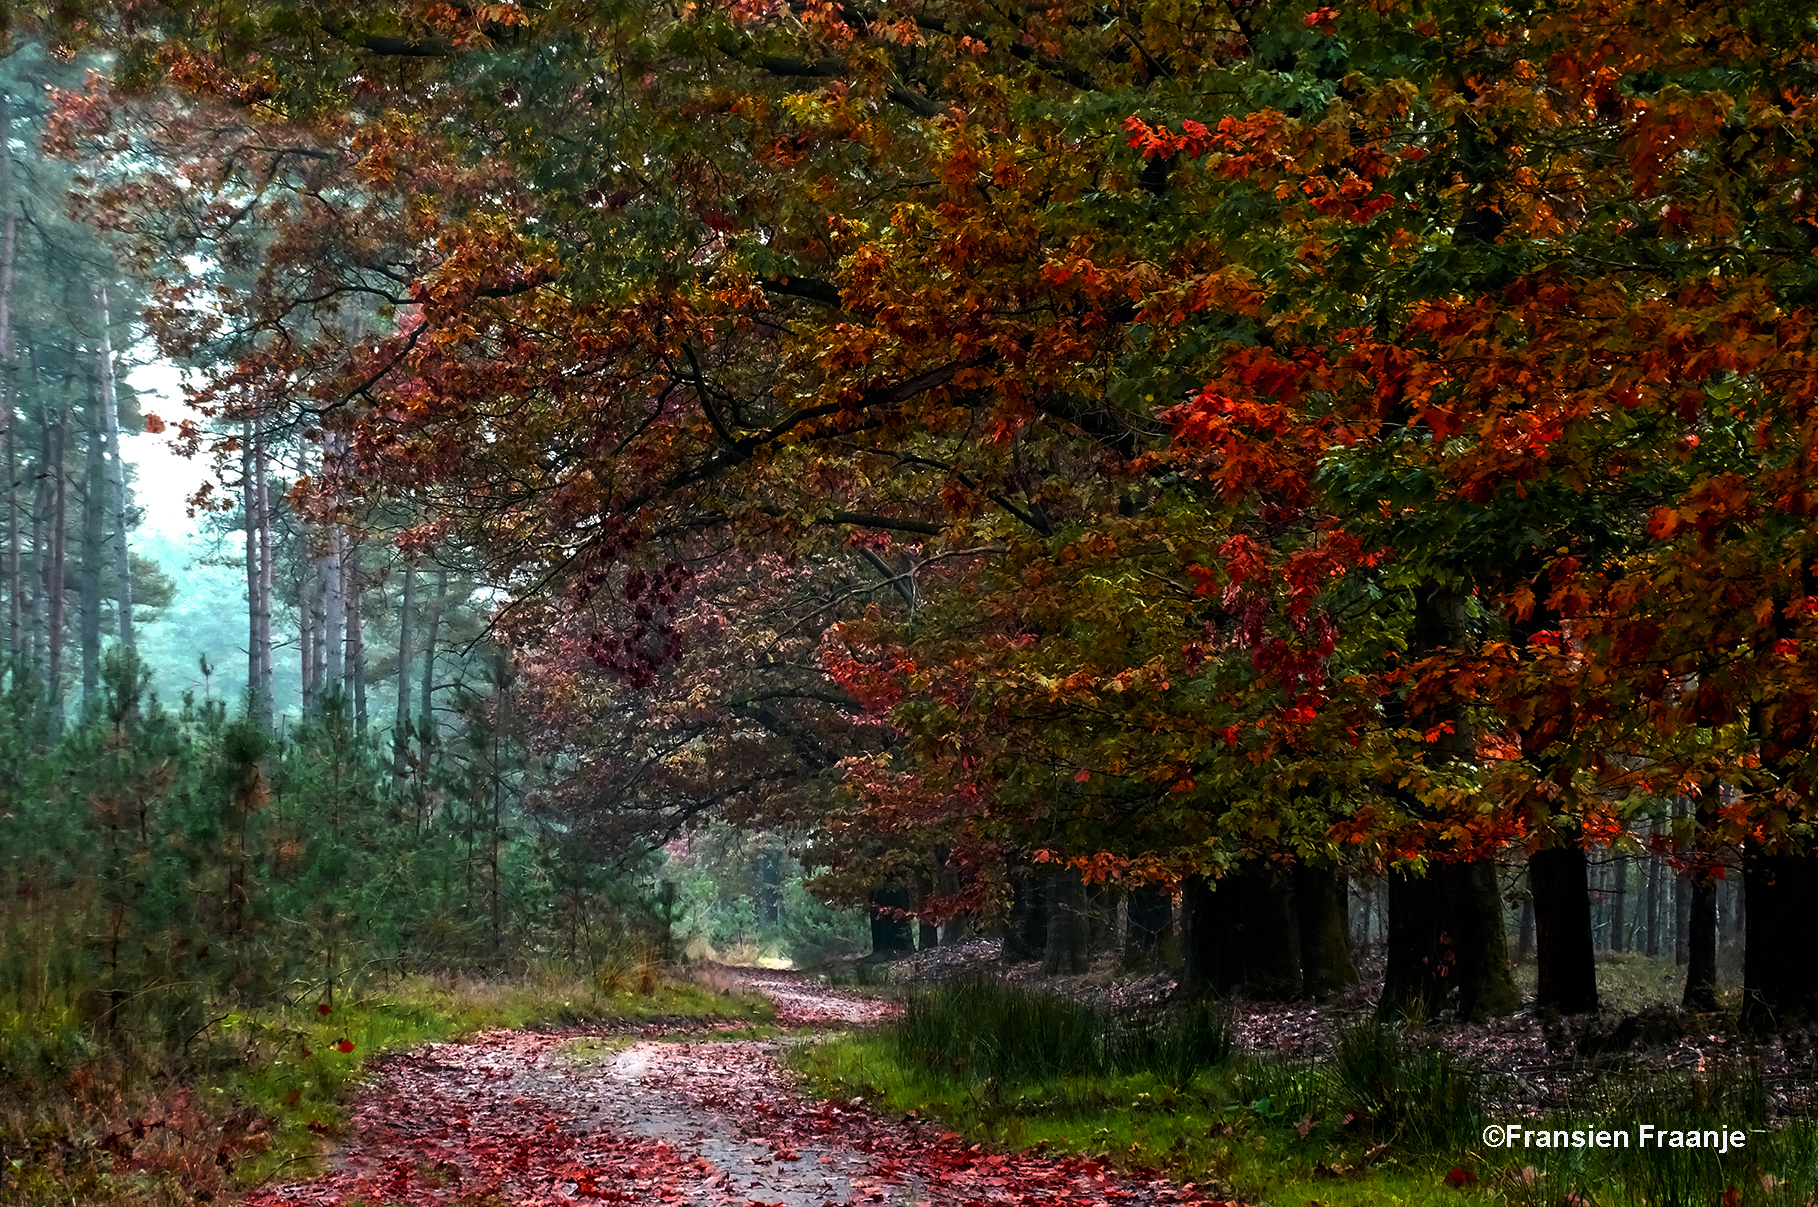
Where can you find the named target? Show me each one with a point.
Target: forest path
(520, 1118)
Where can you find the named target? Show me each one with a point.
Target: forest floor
(698, 1117)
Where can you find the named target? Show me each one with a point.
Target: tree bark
(890, 934)
(1066, 950)
(1682, 900)
(9, 242)
(1027, 933)
(54, 578)
(1325, 949)
(1243, 936)
(400, 740)
(1701, 962)
(356, 635)
(426, 726)
(122, 515)
(94, 478)
(261, 683)
(1619, 897)
(1559, 882)
(306, 634)
(1447, 947)
(249, 494)
(1653, 898)
(334, 610)
(1780, 952)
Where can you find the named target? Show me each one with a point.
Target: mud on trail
(528, 1118)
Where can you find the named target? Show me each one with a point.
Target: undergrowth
(1386, 1117)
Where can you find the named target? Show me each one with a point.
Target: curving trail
(514, 1118)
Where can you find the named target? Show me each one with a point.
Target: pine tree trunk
(334, 599)
(94, 478)
(1619, 903)
(356, 636)
(122, 516)
(55, 578)
(249, 493)
(400, 749)
(265, 706)
(1682, 901)
(426, 726)
(40, 546)
(306, 635)
(1559, 883)
(1524, 930)
(1325, 930)
(1653, 898)
(9, 375)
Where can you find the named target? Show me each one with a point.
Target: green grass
(1384, 1119)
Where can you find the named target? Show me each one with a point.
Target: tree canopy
(1270, 428)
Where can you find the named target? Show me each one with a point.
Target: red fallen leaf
(1461, 1177)
(1732, 1197)
(345, 1045)
(307, 1054)
(293, 1095)
(323, 1009)
(317, 1126)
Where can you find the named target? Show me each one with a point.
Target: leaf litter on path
(510, 1117)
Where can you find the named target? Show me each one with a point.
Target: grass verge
(257, 1094)
(1384, 1119)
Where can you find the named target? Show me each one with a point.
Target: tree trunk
(1619, 897)
(1653, 899)
(400, 738)
(122, 515)
(94, 478)
(9, 376)
(356, 636)
(1682, 901)
(55, 578)
(36, 622)
(1151, 919)
(890, 933)
(334, 611)
(1780, 952)
(1243, 936)
(1027, 933)
(1701, 962)
(1066, 951)
(249, 494)
(306, 634)
(1325, 950)
(261, 683)
(426, 725)
(1559, 882)
(1447, 946)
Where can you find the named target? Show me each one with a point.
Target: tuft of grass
(992, 1029)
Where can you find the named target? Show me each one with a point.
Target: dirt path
(519, 1118)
